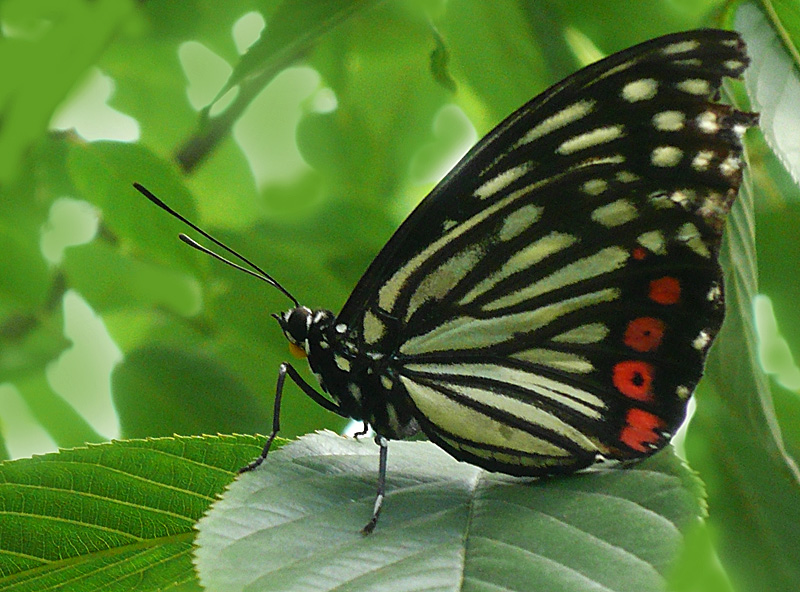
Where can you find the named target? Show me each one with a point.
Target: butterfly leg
(284, 370)
(383, 443)
(362, 432)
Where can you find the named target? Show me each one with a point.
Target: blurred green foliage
(337, 124)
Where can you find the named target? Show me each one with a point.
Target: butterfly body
(361, 382)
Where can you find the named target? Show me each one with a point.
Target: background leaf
(294, 524)
(773, 84)
(736, 404)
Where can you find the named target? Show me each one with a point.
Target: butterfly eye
(295, 324)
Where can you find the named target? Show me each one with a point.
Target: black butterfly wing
(554, 297)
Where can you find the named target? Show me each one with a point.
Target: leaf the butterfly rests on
(550, 304)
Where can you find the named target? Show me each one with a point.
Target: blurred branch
(294, 29)
(212, 131)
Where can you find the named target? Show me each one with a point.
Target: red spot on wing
(639, 253)
(633, 379)
(641, 428)
(665, 290)
(644, 334)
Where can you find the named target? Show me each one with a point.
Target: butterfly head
(296, 324)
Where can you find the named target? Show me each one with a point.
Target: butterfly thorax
(360, 381)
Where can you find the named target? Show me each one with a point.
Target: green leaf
(109, 279)
(104, 173)
(61, 420)
(207, 399)
(773, 84)
(294, 523)
(25, 280)
(52, 46)
(111, 517)
(440, 60)
(292, 30)
(734, 440)
(698, 568)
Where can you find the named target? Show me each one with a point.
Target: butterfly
(550, 304)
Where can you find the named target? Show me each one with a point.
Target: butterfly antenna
(259, 273)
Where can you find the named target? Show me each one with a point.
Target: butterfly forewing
(552, 301)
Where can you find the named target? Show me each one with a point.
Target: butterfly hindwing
(553, 299)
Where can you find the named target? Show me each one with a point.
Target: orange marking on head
(639, 253)
(666, 290)
(644, 334)
(633, 378)
(640, 429)
(297, 351)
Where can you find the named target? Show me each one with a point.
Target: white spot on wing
(653, 241)
(683, 197)
(702, 160)
(660, 200)
(702, 341)
(558, 120)
(594, 186)
(714, 293)
(583, 334)
(374, 328)
(519, 221)
(733, 65)
(599, 135)
(688, 62)
(695, 86)
(681, 47)
(640, 90)
(707, 122)
(557, 360)
(666, 156)
(615, 213)
(501, 181)
(627, 177)
(690, 235)
(669, 121)
(730, 166)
